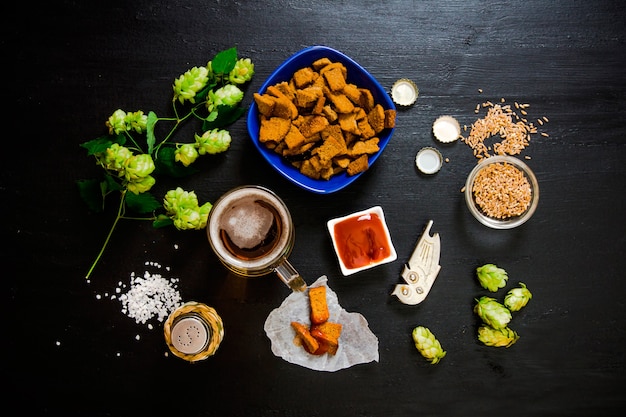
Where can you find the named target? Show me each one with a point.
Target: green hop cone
(243, 71)
(186, 154)
(115, 157)
(136, 121)
(427, 344)
(138, 167)
(229, 95)
(187, 85)
(192, 218)
(142, 185)
(503, 337)
(517, 298)
(120, 121)
(213, 141)
(182, 207)
(117, 122)
(492, 312)
(491, 277)
(179, 199)
(187, 219)
(204, 211)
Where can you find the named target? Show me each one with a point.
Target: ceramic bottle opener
(421, 270)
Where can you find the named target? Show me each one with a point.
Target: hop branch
(132, 156)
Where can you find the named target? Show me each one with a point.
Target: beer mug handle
(288, 274)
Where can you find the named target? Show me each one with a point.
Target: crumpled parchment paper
(357, 343)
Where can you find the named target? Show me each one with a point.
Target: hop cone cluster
(427, 344)
(491, 277)
(517, 298)
(494, 315)
(183, 208)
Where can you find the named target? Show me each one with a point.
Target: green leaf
(165, 164)
(226, 115)
(224, 61)
(89, 191)
(150, 138)
(202, 94)
(109, 184)
(101, 144)
(142, 203)
(162, 221)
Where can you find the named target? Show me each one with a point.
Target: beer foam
(248, 225)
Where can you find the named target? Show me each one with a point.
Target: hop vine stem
(120, 213)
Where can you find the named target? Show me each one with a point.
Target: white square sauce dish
(361, 240)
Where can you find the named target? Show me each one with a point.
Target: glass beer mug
(251, 231)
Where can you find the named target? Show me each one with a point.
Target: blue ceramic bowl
(356, 75)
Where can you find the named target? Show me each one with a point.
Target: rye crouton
(303, 333)
(265, 103)
(390, 119)
(335, 79)
(376, 118)
(328, 333)
(274, 129)
(358, 165)
(319, 307)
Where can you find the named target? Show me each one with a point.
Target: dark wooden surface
(71, 64)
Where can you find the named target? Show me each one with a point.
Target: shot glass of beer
(251, 232)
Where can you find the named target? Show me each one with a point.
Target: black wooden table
(69, 349)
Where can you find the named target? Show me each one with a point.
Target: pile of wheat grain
(501, 119)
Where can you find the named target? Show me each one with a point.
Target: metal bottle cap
(446, 129)
(404, 92)
(429, 160)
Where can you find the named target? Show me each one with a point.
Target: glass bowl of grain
(502, 192)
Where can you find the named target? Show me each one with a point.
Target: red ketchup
(361, 240)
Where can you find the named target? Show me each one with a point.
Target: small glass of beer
(251, 232)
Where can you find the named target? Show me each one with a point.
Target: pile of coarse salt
(150, 296)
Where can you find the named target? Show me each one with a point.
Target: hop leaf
(491, 277)
(492, 312)
(503, 337)
(224, 61)
(517, 298)
(142, 202)
(427, 344)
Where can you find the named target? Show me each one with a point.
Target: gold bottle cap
(428, 160)
(404, 92)
(446, 129)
